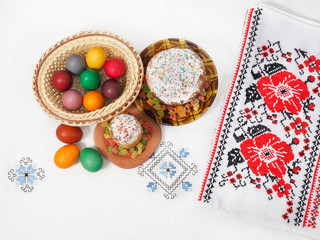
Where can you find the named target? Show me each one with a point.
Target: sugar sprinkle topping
(125, 129)
(174, 75)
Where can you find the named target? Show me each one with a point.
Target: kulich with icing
(175, 76)
(125, 130)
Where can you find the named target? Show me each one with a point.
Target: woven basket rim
(101, 118)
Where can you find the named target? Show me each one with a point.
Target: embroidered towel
(264, 160)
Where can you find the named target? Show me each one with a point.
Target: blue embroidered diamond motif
(26, 174)
(168, 170)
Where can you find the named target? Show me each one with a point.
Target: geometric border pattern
(209, 181)
(166, 151)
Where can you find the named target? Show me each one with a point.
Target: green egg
(90, 79)
(91, 159)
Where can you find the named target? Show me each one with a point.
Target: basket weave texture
(54, 59)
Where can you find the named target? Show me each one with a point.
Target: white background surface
(113, 203)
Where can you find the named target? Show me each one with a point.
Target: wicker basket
(54, 59)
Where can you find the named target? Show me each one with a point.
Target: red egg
(62, 80)
(68, 134)
(114, 68)
(111, 89)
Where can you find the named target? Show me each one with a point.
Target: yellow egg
(96, 58)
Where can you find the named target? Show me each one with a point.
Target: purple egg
(111, 89)
(71, 99)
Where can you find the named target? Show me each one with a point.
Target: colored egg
(68, 134)
(75, 64)
(71, 99)
(111, 89)
(66, 156)
(114, 68)
(93, 100)
(62, 80)
(91, 159)
(96, 57)
(90, 79)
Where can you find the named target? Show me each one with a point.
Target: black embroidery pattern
(168, 170)
(267, 160)
(233, 104)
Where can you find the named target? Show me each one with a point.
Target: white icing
(174, 75)
(125, 129)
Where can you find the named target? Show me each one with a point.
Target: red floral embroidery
(282, 188)
(296, 169)
(267, 154)
(296, 141)
(286, 128)
(233, 180)
(265, 51)
(311, 106)
(283, 91)
(285, 216)
(313, 64)
(269, 191)
(299, 126)
(311, 78)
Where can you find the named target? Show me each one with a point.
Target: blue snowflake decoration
(151, 187)
(187, 186)
(184, 153)
(168, 170)
(26, 174)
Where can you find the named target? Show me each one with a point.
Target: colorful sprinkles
(115, 148)
(125, 129)
(175, 75)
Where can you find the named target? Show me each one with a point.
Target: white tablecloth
(112, 203)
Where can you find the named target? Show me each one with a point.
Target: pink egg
(71, 99)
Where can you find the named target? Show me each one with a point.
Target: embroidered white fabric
(113, 203)
(264, 159)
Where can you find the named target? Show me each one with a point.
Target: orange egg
(93, 100)
(66, 156)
